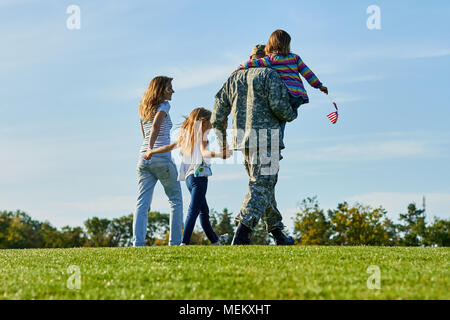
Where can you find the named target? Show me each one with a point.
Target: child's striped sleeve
(308, 74)
(263, 62)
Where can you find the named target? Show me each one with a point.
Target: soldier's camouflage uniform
(257, 100)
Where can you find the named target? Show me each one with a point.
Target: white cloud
(122, 204)
(371, 151)
(183, 78)
(103, 204)
(13, 3)
(432, 53)
(399, 52)
(196, 76)
(362, 78)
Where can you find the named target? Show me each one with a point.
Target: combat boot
(281, 239)
(242, 235)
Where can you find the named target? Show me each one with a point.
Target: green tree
(99, 232)
(157, 226)
(198, 237)
(222, 223)
(392, 232)
(358, 225)
(18, 230)
(52, 238)
(74, 237)
(5, 221)
(311, 226)
(413, 227)
(122, 231)
(438, 233)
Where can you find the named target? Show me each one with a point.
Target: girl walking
(289, 66)
(195, 170)
(155, 125)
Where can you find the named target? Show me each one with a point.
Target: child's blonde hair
(279, 43)
(192, 130)
(153, 97)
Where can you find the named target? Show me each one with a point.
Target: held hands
(148, 154)
(324, 89)
(226, 153)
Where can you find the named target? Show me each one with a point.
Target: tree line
(345, 225)
(363, 225)
(19, 230)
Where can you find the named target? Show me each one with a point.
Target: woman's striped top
(163, 138)
(289, 68)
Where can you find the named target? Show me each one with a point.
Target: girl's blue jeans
(197, 186)
(149, 173)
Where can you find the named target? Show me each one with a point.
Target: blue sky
(69, 133)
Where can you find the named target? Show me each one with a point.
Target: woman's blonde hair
(153, 97)
(191, 131)
(279, 43)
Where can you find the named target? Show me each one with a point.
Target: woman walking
(156, 124)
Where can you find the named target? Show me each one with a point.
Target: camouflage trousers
(259, 203)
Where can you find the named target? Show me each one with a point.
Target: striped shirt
(289, 68)
(163, 138)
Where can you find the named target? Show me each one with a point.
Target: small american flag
(334, 115)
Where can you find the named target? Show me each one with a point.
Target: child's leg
(197, 188)
(295, 103)
(205, 223)
(282, 127)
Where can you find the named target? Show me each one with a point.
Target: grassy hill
(210, 272)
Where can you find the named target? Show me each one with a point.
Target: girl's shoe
(183, 244)
(223, 240)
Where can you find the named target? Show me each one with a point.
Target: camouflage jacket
(257, 100)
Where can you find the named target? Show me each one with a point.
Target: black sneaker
(281, 239)
(242, 235)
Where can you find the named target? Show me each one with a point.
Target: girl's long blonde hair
(153, 97)
(191, 131)
(279, 43)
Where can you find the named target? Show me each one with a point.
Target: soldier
(258, 101)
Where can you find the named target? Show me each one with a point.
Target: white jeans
(149, 172)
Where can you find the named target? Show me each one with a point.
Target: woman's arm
(163, 149)
(156, 126)
(142, 129)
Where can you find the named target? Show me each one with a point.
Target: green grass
(210, 272)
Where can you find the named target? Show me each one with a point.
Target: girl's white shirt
(194, 164)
